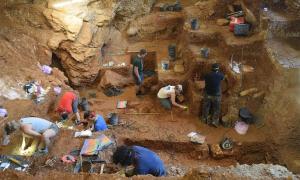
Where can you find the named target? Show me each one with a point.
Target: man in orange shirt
(68, 104)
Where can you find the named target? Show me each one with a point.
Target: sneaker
(43, 151)
(214, 124)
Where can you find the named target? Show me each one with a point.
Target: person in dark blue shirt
(144, 160)
(212, 95)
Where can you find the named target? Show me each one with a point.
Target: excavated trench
(246, 153)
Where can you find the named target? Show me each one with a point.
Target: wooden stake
(142, 113)
(102, 168)
(172, 116)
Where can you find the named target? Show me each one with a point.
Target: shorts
(136, 79)
(54, 127)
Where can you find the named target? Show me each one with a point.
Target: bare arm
(77, 116)
(27, 129)
(92, 127)
(174, 102)
(136, 72)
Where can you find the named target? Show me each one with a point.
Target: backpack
(246, 116)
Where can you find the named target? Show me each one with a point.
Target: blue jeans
(75, 105)
(137, 82)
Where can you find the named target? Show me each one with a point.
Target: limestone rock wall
(82, 27)
(128, 10)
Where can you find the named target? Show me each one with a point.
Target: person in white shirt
(167, 96)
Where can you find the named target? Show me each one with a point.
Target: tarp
(93, 146)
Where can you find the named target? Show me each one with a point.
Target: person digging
(68, 104)
(167, 96)
(138, 68)
(144, 160)
(34, 127)
(212, 95)
(98, 122)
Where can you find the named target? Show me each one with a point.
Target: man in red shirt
(68, 104)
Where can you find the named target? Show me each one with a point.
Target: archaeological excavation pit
(90, 48)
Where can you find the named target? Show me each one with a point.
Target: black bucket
(194, 24)
(246, 116)
(172, 51)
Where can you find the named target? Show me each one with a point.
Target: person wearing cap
(32, 126)
(212, 95)
(138, 68)
(167, 96)
(144, 160)
(98, 124)
(68, 104)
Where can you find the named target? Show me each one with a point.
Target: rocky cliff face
(75, 30)
(83, 27)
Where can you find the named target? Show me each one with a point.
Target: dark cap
(123, 155)
(143, 51)
(64, 116)
(89, 114)
(215, 67)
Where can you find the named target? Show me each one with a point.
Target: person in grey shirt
(32, 126)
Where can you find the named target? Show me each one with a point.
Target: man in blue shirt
(212, 95)
(98, 121)
(144, 160)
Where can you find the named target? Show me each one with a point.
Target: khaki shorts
(55, 128)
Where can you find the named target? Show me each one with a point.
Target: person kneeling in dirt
(167, 96)
(68, 104)
(138, 70)
(32, 126)
(99, 123)
(212, 95)
(144, 160)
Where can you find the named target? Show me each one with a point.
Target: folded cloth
(46, 69)
(57, 90)
(3, 112)
(86, 133)
(196, 138)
